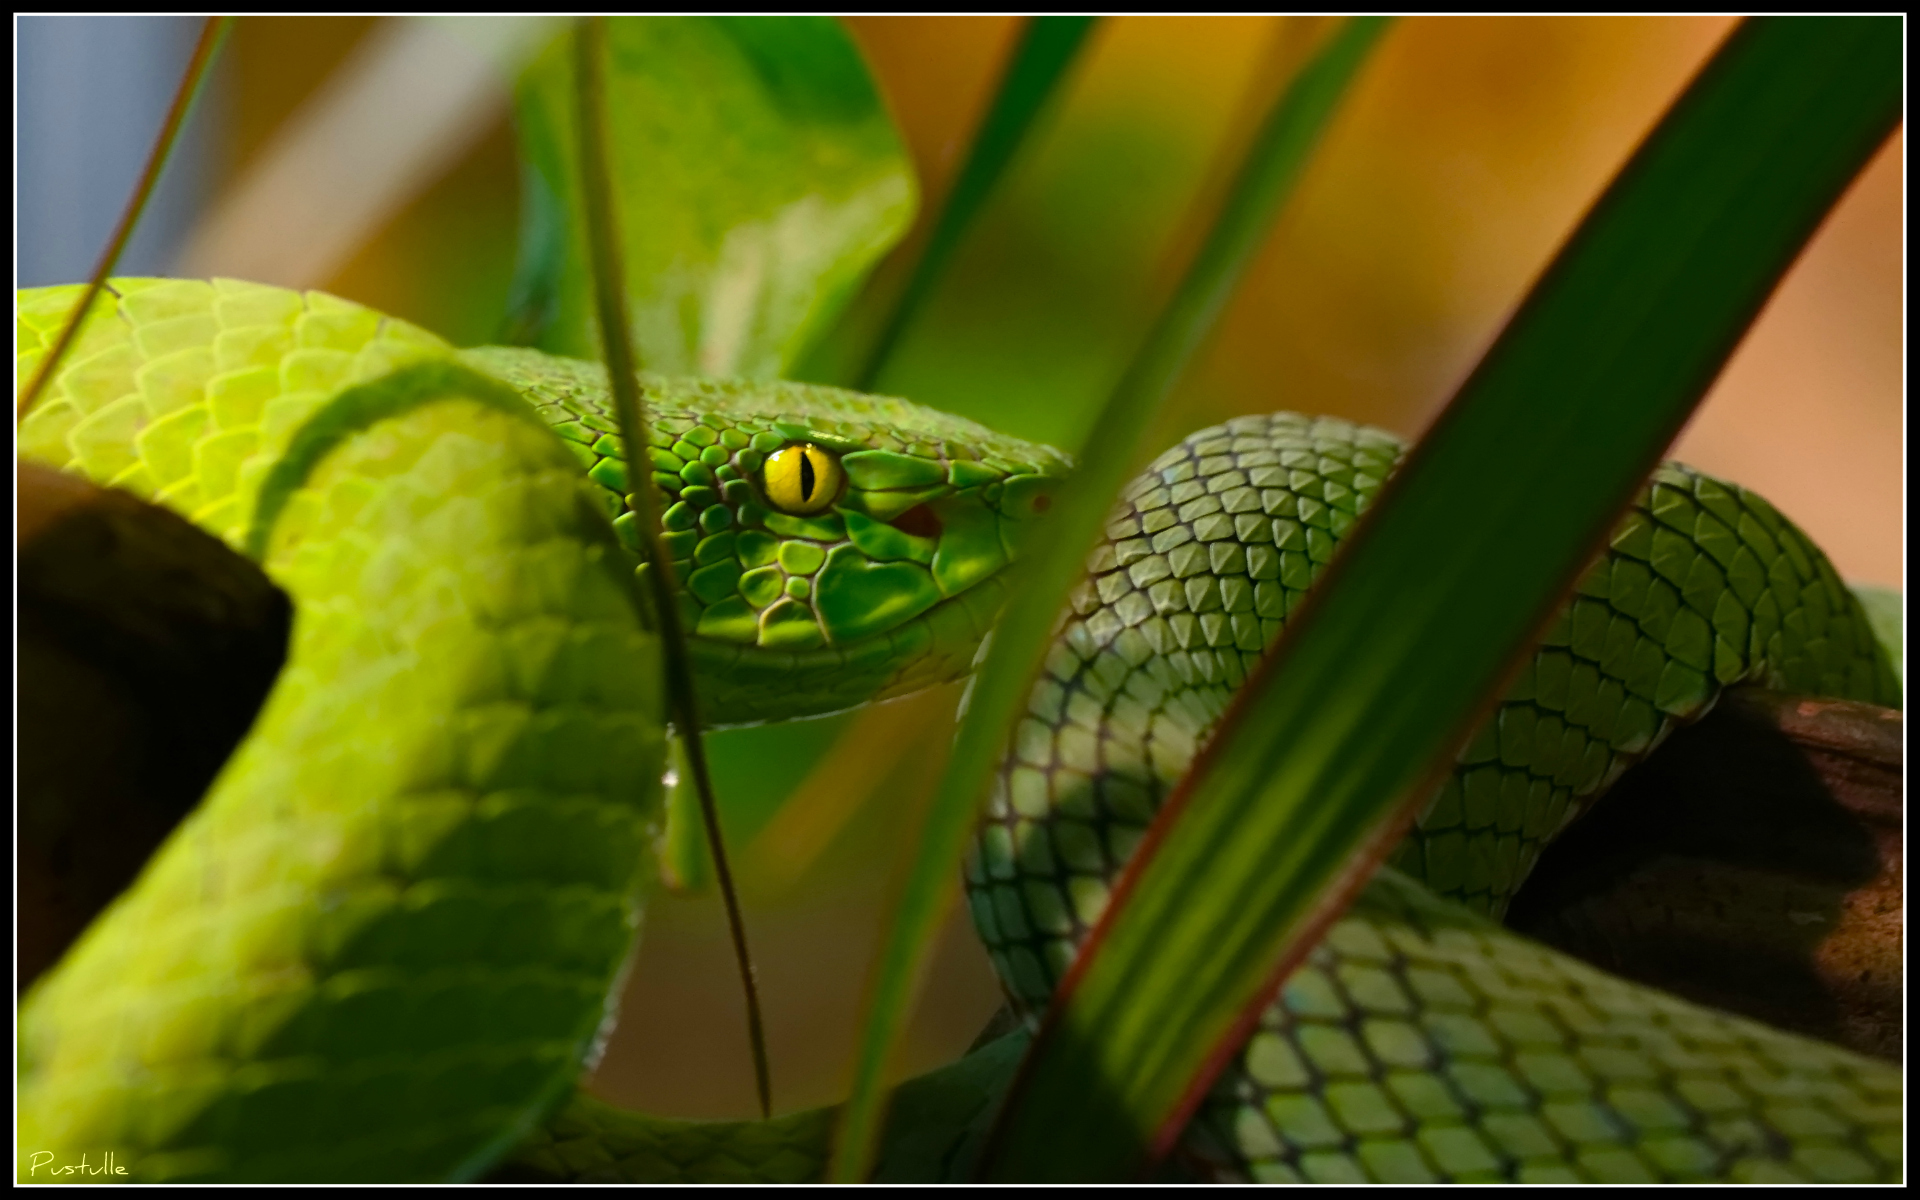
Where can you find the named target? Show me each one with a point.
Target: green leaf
(1886, 612)
(1050, 563)
(1410, 633)
(758, 178)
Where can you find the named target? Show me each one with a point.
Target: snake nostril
(919, 521)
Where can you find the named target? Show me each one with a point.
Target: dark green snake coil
(1421, 1042)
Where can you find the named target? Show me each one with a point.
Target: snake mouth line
(749, 685)
(978, 613)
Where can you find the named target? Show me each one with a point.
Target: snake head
(830, 548)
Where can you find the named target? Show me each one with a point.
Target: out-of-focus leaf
(1413, 628)
(758, 178)
(1886, 612)
(1051, 562)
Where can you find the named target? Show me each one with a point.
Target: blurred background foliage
(1467, 151)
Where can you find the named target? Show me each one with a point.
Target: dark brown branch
(1753, 864)
(145, 648)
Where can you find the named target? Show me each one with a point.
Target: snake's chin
(742, 686)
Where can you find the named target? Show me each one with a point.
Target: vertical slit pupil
(806, 476)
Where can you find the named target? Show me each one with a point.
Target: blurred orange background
(1467, 151)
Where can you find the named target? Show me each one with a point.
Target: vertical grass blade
(1046, 49)
(1052, 561)
(610, 299)
(1405, 641)
(212, 35)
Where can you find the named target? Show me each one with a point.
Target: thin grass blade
(1047, 49)
(212, 35)
(1051, 562)
(1344, 730)
(589, 47)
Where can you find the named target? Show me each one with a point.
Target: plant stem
(213, 34)
(609, 280)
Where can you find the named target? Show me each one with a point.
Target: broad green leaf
(1416, 622)
(1051, 562)
(758, 178)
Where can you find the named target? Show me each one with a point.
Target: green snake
(387, 941)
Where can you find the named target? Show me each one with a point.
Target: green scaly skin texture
(1420, 1041)
(384, 951)
(476, 852)
(382, 946)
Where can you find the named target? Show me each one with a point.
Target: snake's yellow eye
(803, 479)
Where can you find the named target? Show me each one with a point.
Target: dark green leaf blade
(1412, 630)
(1051, 562)
(756, 170)
(1046, 49)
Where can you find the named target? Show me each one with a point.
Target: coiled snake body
(386, 942)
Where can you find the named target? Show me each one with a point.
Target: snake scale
(388, 940)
